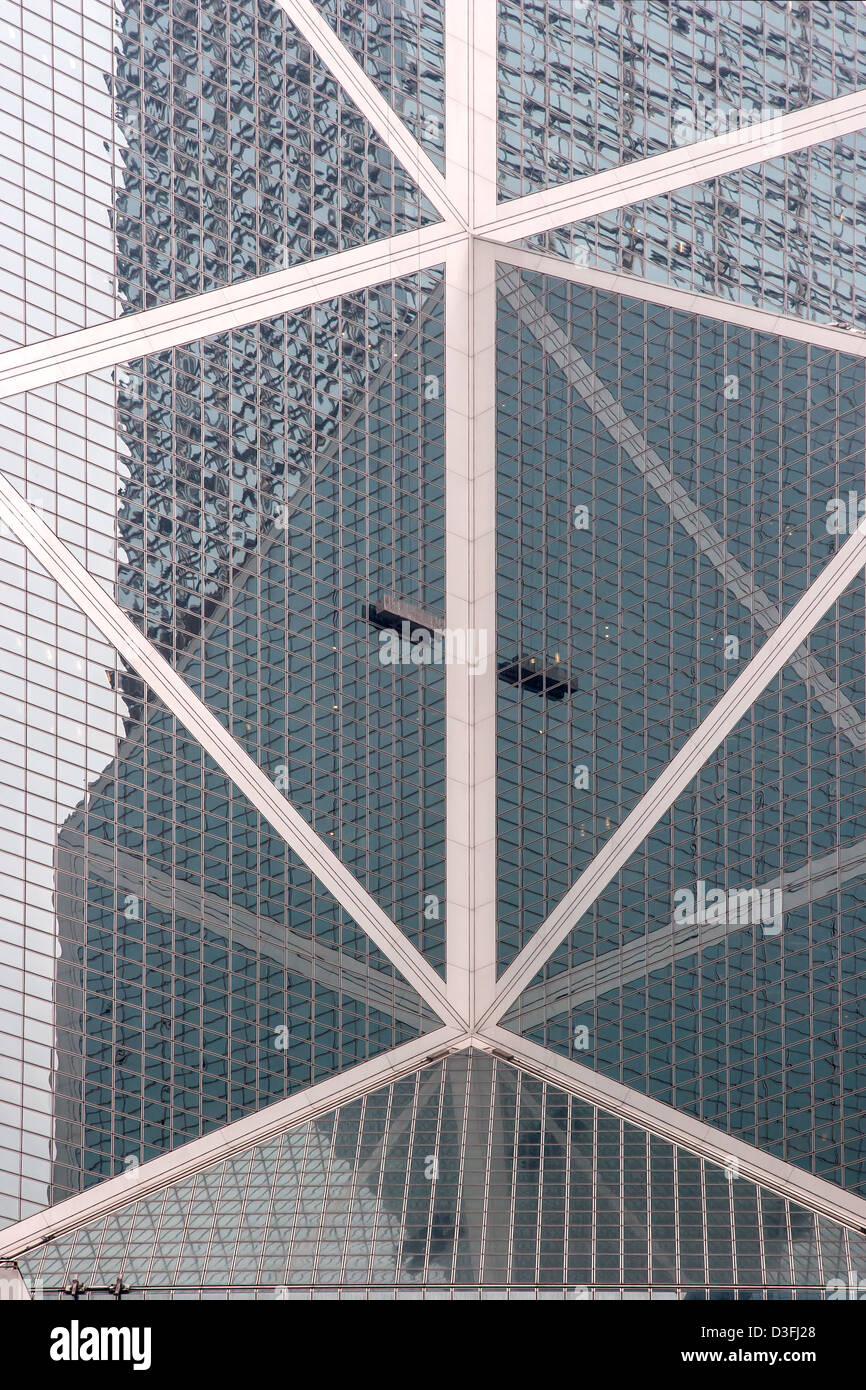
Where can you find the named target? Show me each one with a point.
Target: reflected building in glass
(433, 635)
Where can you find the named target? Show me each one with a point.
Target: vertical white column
(458, 610)
(470, 151)
(470, 512)
(458, 117)
(470, 108)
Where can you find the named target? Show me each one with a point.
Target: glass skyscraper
(433, 699)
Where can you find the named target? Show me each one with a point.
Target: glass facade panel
(401, 46)
(154, 151)
(585, 87)
(467, 1177)
(61, 714)
(169, 965)
(267, 507)
(781, 236)
(668, 487)
(249, 498)
(723, 970)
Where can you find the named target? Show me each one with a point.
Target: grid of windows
(723, 970)
(274, 482)
(784, 235)
(59, 724)
(261, 501)
(466, 1175)
(241, 153)
(668, 486)
(55, 167)
(168, 964)
(203, 972)
(401, 47)
(157, 151)
(585, 87)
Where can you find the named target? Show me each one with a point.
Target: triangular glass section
(723, 971)
(468, 1178)
(280, 523)
(586, 87)
(401, 47)
(166, 150)
(780, 235)
(667, 487)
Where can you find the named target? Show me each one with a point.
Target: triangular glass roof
(468, 1175)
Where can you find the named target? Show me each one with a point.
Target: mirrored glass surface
(587, 86)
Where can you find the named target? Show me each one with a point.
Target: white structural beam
(226, 752)
(459, 117)
(222, 1143)
(470, 501)
(372, 104)
(218, 311)
(470, 107)
(708, 306)
(700, 527)
(776, 653)
(470, 569)
(699, 1138)
(678, 168)
(638, 959)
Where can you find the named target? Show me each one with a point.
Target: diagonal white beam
(709, 306)
(229, 756)
(776, 653)
(370, 101)
(637, 959)
(222, 1143)
(695, 522)
(662, 173)
(696, 1136)
(218, 311)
